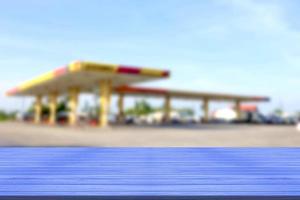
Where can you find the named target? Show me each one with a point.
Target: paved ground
(19, 134)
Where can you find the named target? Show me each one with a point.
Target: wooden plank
(221, 173)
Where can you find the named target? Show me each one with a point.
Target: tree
(278, 111)
(140, 108)
(62, 106)
(3, 116)
(7, 115)
(186, 111)
(45, 109)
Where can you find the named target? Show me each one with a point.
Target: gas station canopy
(183, 94)
(85, 76)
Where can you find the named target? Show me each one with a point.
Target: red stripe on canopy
(128, 70)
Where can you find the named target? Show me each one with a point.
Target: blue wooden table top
(149, 172)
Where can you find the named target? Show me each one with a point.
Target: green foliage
(143, 108)
(278, 111)
(62, 106)
(4, 116)
(45, 109)
(186, 111)
(140, 108)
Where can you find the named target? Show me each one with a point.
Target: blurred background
(224, 46)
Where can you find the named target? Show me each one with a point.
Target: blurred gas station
(112, 79)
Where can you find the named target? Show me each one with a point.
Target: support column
(238, 109)
(167, 109)
(38, 109)
(73, 103)
(121, 114)
(105, 96)
(52, 108)
(205, 108)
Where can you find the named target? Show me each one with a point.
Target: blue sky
(235, 46)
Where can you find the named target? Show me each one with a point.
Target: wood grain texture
(149, 172)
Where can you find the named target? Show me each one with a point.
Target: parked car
(274, 119)
(27, 117)
(62, 118)
(129, 120)
(290, 120)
